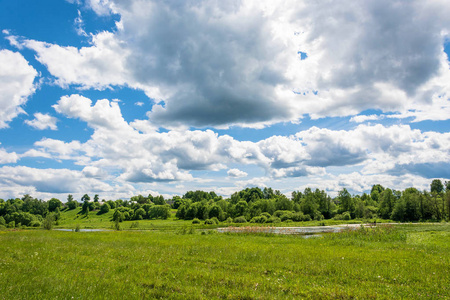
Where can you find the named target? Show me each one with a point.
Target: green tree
(53, 204)
(104, 208)
(48, 221)
(437, 186)
(347, 203)
(96, 198)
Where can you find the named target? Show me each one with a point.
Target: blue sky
(126, 97)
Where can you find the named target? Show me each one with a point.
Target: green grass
(396, 262)
(71, 218)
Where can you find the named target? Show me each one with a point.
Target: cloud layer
(239, 63)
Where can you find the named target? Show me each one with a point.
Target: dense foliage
(249, 205)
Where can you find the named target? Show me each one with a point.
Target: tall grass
(381, 263)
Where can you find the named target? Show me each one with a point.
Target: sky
(127, 97)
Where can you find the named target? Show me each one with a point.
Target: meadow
(410, 261)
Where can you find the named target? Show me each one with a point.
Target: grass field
(395, 262)
(71, 218)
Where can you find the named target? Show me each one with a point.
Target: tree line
(249, 205)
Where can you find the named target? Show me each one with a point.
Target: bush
(35, 224)
(318, 216)
(48, 221)
(209, 222)
(196, 221)
(286, 216)
(215, 220)
(273, 219)
(258, 219)
(240, 219)
(266, 215)
(346, 216)
(104, 208)
(134, 225)
(72, 204)
(279, 213)
(229, 220)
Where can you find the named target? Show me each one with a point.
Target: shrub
(196, 221)
(286, 216)
(273, 219)
(134, 225)
(266, 215)
(318, 216)
(104, 208)
(48, 221)
(346, 216)
(229, 220)
(279, 213)
(258, 219)
(209, 222)
(215, 220)
(298, 217)
(72, 204)
(35, 224)
(240, 219)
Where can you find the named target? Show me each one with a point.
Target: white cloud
(50, 180)
(236, 173)
(42, 121)
(364, 118)
(98, 66)
(16, 85)
(8, 157)
(211, 61)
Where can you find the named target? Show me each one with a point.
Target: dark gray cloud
(217, 61)
(397, 42)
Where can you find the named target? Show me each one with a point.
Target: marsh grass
(398, 262)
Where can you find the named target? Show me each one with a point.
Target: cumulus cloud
(236, 173)
(51, 180)
(151, 156)
(219, 64)
(42, 121)
(16, 85)
(8, 157)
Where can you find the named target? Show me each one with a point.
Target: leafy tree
(104, 208)
(437, 186)
(85, 198)
(347, 203)
(387, 203)
(96, 198)
(159, 212)
(48, 221)
(139, 214)
(72, 204)
(53, 204)
(159, 200)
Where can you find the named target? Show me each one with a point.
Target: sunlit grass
(399, 262)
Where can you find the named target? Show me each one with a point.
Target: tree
(104, 208)
(347, 203)
(53, 204)
(69, 198)
(48, 221)
(96, 198)
(159, 200)
(437, 186)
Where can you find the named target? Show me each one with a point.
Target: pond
(307, 231)
(82, 230)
